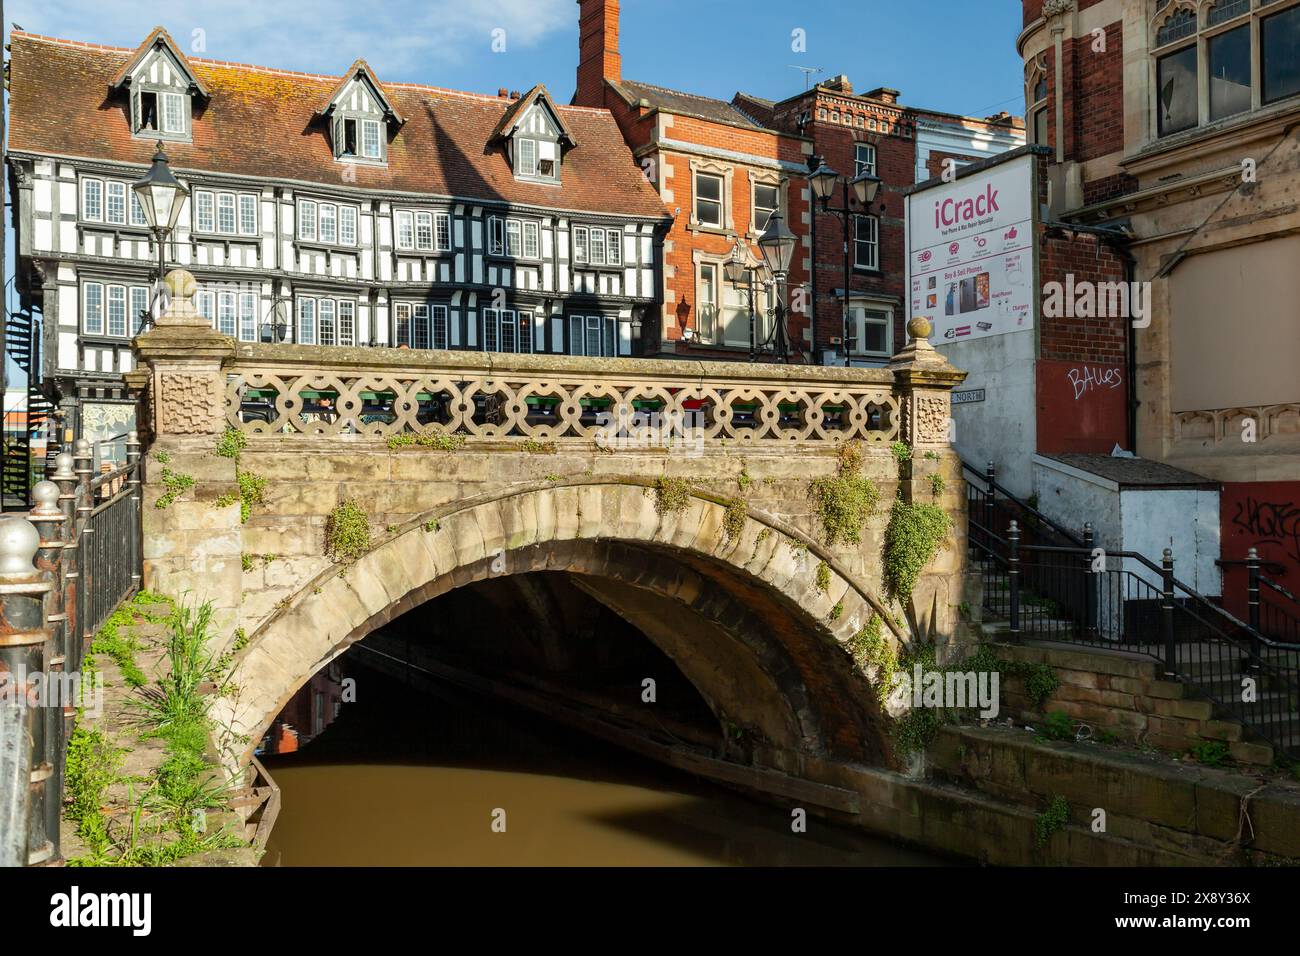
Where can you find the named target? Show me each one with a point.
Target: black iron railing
(1080, 594)
(88, 549)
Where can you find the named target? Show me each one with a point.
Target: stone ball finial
(19, 542)
(81, 448)
(45, 498)
(63, 466)
(919, 327)
(181, 285)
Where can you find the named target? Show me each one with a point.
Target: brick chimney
(598, 56)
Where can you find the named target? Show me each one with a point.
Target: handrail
(1029, 509)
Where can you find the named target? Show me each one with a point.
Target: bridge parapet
(714, 462)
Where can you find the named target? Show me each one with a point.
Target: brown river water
(402, 778)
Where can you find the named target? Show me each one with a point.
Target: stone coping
(425, 361)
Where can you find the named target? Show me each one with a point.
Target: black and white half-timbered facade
(322, 211)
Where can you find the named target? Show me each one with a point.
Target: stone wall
(1125, 695)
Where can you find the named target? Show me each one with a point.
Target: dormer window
(358, 113)
(162, 89)
(534, 137)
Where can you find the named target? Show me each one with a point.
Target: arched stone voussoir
(686, 557)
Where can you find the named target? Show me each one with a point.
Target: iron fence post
(137, 515)
(56, 706)
(1252, 604)
(83, 458)
(69, 585)
(1167, 612)
(1013, 574)
(15, 780)
(990, 475)
(1089, 582)
(22, 643)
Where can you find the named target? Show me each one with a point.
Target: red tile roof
(261, 122)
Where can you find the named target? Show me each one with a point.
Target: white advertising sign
(971, 253)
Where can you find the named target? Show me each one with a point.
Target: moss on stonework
(671, 495)
(845, 501)
(911, 540)
(733, 521)
(871, 648)
(438, 441)
(823, 577)
(534, 447)
(231, 443)
(347, 532)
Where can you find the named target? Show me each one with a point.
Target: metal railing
(64, 567)
(1079, 594)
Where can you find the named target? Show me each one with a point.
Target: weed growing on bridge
(1054, 818)
(534, 447)
(871, 648)
(901, 451)
(846, 501)
(231, 443)
(162, 457)
(911, 540)
(733, 521)
(671, 495)
(175, 484)
(1212, 753)
(246, 562)
(1040, 680)
(91, 768)
(937, 484)
(115, 640)
(1058, 726)
(439, 441)
(823, 576)
(744, 480)
(432, 526)
(837, 612)
(347, 532)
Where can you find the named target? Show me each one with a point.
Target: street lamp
(777, 246)
(161, 198)
(865, 187)
(738, 273)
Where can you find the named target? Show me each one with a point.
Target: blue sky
(952, 55)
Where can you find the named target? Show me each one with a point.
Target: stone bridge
(315, 494)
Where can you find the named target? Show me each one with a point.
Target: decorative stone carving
(1052, 8)
(187, 403)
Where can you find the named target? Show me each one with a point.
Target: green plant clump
(837, 611)
(1058, 726)
(901, 451)
(114, 640)
(937, 484)
(438, 441)
(175, 484)
(671, 495)
(733, 521)
(231, 443)
(846, 501)
(1054, 818)
(534, 447)
(347, 532)
(911, 540)
(870, 648)
(823, 577)
(1212, 753)
(1040, 680)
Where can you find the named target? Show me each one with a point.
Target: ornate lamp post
(777, 246)
(865, 187)
(161, 198)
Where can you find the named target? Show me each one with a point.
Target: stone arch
(749, 587)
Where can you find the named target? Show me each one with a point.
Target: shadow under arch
(735, 607)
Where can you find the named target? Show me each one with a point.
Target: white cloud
(406, 40)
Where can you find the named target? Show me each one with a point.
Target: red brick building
(722, 167)
(721, 173)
